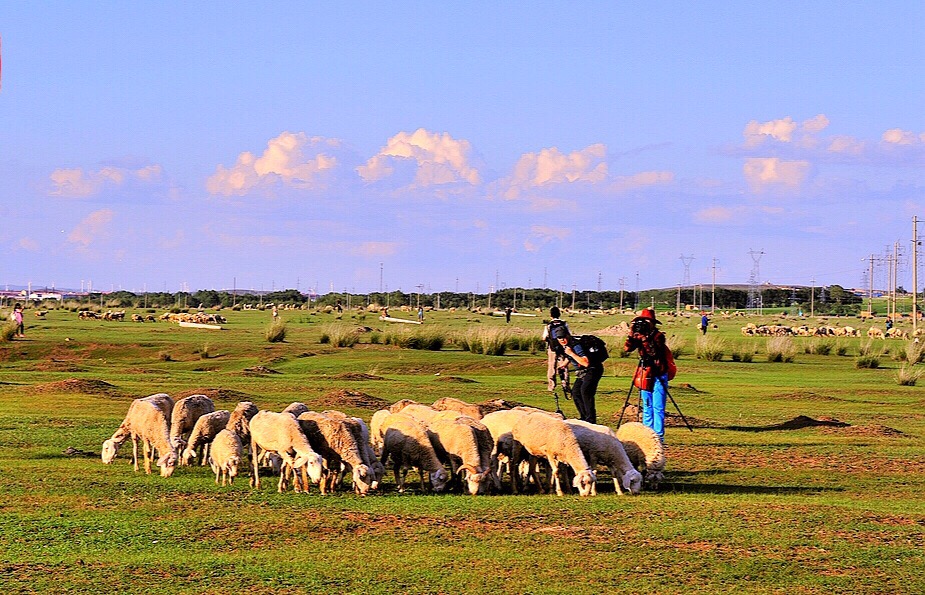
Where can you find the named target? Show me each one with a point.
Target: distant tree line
(832, 299)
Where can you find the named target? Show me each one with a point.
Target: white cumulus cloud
(77, 183)
(764, 173)
(91, 228)
(292, 159)
(434, 159)
(551, 166)
(541, 235)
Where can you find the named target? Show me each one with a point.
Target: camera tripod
(630, 392)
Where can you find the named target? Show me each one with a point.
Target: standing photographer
(553, 349)
(589, 374)
(651, 376)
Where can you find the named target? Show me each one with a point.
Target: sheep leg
(255, 465)
(206, 448)
(617, 482)
(135, 450)
(146, 449)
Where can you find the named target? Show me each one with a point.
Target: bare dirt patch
(86, 386)
(259, 371)
(458, 379)
(872, 430)
(357, 376)
(353, 399)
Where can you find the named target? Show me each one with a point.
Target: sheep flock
(450, 445)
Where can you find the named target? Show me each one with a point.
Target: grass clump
(427, 339)
(742, 353)
(868, 360)
(8, 332)
(710, 348)
(781, 349)
(339, 336)
(276, 332)
(677, 346)
(821, 347)
(484, 341)
(841, 349)
(908, 375)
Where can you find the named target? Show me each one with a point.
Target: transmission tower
(754, 280)
(686, 260)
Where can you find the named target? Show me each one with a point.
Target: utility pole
(380, 277)
(870, 292)
(573, 296)
(622, 281)
(915, 274)
(713, 292)
(678, 307)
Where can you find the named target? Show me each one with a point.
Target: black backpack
(594, 347)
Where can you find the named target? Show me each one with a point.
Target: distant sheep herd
(451, 445)
(779, 330)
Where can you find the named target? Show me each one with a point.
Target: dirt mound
(797, 423)
(352, 399)
(872, 430)
(57, 366)
(357, 376)
(79, 385)
(259, 371)
(459, 379)
(216, 394)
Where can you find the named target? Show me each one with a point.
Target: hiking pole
(675, 403)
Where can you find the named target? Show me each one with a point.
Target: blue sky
(275, 145)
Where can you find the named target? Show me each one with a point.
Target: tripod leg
(675, 403)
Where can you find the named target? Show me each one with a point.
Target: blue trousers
(653, 406)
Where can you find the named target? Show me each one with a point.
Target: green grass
(746, 507)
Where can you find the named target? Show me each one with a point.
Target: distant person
(340, 308)
(507, 314)
(889, 323)
(704, 322)
(275, 313)
(553, 350)
(17, 320)
(420, 313)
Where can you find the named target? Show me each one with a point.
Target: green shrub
(822, 347)
(908, 376)
(781, 349)
(276, 332)
(867, 361)
(710, 348)
(742, 353)
(340, 335)
(7, 332)
(841, 350)
(484, 341)
(375, 338)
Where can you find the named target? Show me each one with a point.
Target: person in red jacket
(652, 374)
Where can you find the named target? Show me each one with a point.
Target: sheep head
(110, 448)
(378, 472)
(439, 479)
(187, 457)
(653, 479)
(178, 443)
(584, 482)
(474, 478)
(312, 462)
(632, 481)
(363, 479)
(167, 463)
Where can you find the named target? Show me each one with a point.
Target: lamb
(601, 447)
(204, 432)
(111, 447)
(280, 433)
(337, 444)
(646, 451)
(545, 436)
(225, 456)
(405, 439)
(185, 414)
(451, 404)
(465, 453)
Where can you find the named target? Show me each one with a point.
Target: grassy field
(758, 499)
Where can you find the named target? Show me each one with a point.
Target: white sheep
(601, 447)
(423, 413)
(137, 414)
(406, 441)
(361, 433)
(375, 428)
(545, 436)
(204, 432)
(240, 418)
(225, 456)
(280, 433)
(337, 444)
(646, 451)
(186, 412)
(451, 404)
(500, 424)
(296, 409)
(400, 404)
(460, 442)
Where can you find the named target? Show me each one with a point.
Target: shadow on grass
(716, 488)
(797, 423)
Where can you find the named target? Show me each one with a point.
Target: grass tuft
(908, 375)
(276, 332)
(710, 348)
(781, 349)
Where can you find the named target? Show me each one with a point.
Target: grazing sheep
(875, 333)
(601, 447)
(280, 433)
(466, 453)
(375, 428)
(646, 451)
(111, 447)
(240, 418)
(185, 414)
(361, 434)
(225, 456)
(422, 413)
(399, 405)
(147, 421)
(405, 439)
(204, 432)
(296, 409)
(545, 436)
(500, 424)
(337, 445)
(451, 404)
